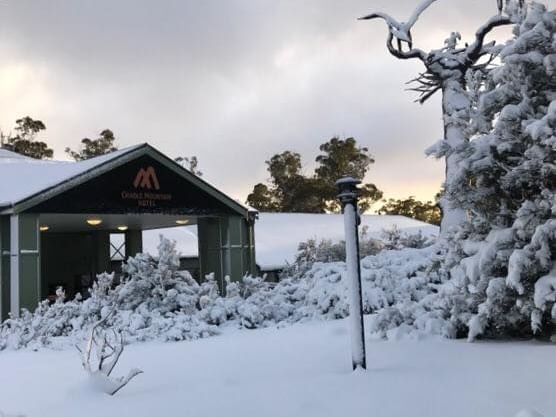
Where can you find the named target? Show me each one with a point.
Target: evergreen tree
(502, 261)
(292, 191)
(425, 211)
(94, 147)
(24, 142)
(339, 158)
(263, 199)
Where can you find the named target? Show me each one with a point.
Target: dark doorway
(68, 261)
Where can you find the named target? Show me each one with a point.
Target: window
(117, 246)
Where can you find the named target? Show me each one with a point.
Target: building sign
(143, 185)
(146, 179)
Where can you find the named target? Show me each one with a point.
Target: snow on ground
(303, 370)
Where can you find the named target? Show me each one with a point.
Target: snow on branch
(445, 64)
(402, 31)
(476, 50)
(400, 54)
(107, 346)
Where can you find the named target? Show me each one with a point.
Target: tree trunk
(455, 110)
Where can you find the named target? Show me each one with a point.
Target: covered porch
(67, 233)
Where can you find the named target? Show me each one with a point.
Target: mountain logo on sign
(146, 178)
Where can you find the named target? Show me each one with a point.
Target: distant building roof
(277, 235)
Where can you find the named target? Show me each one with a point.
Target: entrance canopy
(56, 219)
(138, 179)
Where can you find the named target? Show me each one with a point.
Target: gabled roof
(27, 182)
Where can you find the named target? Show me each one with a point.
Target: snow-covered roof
(5, 154)
(277, 235)
(28, 176)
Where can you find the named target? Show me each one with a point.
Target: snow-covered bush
(326, 250)
(48, 321)
(394, 238)
(315, 251)
(153, 300)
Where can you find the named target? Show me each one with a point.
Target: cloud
(232, 82)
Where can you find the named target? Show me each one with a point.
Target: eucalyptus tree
(446, 71)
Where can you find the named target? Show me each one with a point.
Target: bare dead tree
(101, 354)
(445, 71)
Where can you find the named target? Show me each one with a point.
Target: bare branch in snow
(107, 346)
(475, 50)
(399, 53)
(401, 30)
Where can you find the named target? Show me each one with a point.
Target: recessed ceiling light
(44, 228)
(94, 222)
(182, 221)
(122, 228)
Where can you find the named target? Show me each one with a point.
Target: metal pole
(348, 195)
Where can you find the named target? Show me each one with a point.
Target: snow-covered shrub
(393, 284)
(326, 250)
(315, 251)
(48, 321)
(153, 300)
(394, 238)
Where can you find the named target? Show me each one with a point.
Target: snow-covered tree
(445, 70)
(503, 260)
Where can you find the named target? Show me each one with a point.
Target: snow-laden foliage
(502, 260)
(498, 268)
(153, 301)
(156, 301)
(325, 251)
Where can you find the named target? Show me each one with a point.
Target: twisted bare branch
(108, 351)
(401, 30)
(475, 50)
(398, 53)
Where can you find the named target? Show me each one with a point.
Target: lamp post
(348, 196)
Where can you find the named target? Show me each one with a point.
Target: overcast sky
(230, 81)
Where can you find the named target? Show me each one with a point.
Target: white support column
(14, 265)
